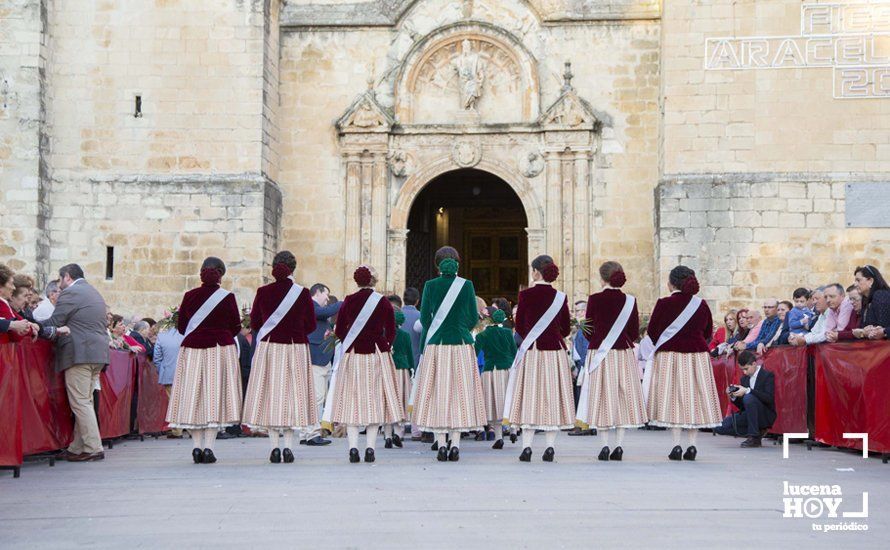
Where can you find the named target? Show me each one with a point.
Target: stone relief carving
(568, 113)
(470, 70)
(531, 163)
(466, 154)
(366, 116)
(401, 163)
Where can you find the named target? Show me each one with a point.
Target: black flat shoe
(442, 456)
(549, 453)
(676, 453)
(512, 438)
(397, 440)
(197, 456)
(369, 455)
(288, 456)
(499, 444)
(209, 457)
(387, 443)
(690, 453)
(604, 454)
(434, 446)
(454, 455)
(275, 457)
(526, 455)
(353, 456)
(617, 454)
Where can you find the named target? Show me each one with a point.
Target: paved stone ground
(149, 495)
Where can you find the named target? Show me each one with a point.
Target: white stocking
(197, 438)
(692, 435)
(274, 437)
(371, 435)
(210, 437)
(400, 430)
(605, 436)
(455, 439)
(352, 436)
(620, 434)
(498, 431)
(675, 435)
(528, 437)
(387, 431)
(441, 440)
(550, 437)
(289, 437)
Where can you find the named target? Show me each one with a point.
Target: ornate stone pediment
(569, 111)
(365, 115)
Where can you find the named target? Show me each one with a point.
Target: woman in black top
(874, 321)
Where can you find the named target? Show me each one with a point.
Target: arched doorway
(479, 214)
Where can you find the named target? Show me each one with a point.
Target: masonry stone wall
(755, 160)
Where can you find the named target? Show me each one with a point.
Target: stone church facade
(139, 136)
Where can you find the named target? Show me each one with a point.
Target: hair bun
(448, 266)
(210, 276)
(617, 279)
(498, 316)
(690, 285)
(550, 272)
(281, 271)
(400, 317)
(362, 276)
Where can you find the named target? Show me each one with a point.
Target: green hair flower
(498, 316)
(448, 266)
(400, 317)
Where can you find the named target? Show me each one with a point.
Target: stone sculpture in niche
(471, 71)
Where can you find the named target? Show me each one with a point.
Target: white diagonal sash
(444, 309)
(283, 308)
(206, 308)
(357, 326)
(669, 332)
(529, 340)
(594, 361)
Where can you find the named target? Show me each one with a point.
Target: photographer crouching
(755, 399)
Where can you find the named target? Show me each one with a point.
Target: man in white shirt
(47, 305)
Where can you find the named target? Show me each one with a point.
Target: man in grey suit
(81, 355)
(320, 354)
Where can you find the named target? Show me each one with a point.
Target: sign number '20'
(862, 82)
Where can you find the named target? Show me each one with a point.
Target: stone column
(581, 221)
(567, 239)
(352, 252)
(553, 220)
(537, 244)
(379, 215)
(395, 267)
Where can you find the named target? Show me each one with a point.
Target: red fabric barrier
(118, 384)
(725, 373)
(852, 387)
(789, 365)
(47, 423)
(151, 404)
(10, 411)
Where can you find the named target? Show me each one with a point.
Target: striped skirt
(542, 396)
(280, 392)
(449, 390)
(403, 384)
(365, 391)
(206, 389)
(494, 389)
(614, 393)
(682, 393)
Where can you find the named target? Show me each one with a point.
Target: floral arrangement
(170, 319)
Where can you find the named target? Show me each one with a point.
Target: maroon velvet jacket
(296, 324)
(380, 329)
(219, 328)
(693, 337)
(533, 302)
(602, 311)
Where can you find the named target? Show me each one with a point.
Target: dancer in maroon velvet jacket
(280, 393)
(206, 393)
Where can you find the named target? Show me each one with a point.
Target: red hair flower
(210, 276)
(281, 271)
(550, 272)
(690, 285)
(362, 276)
(617, 279)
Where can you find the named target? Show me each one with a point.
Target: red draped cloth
(789, 365)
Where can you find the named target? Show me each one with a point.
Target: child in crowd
(800, 316)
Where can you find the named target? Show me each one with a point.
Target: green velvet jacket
(462, 318)
(497, 346)
(402, 352)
